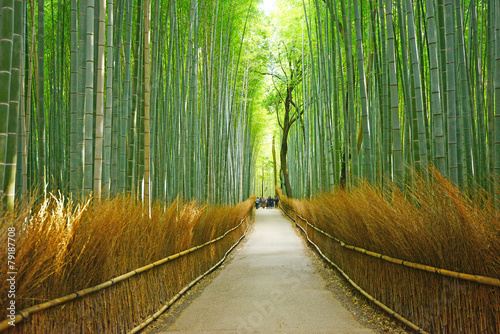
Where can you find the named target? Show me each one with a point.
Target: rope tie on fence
(24, 314)
(25, 317)
(388, 310)
(445, 272)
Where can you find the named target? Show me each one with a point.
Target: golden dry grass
(63, 247)
(430, 223)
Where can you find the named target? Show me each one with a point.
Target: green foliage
(416, 100)
(206, 59)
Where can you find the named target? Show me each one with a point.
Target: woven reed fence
(132, 299)
(432, 300)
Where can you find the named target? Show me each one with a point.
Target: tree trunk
(274, 168)
(283, 162)
(284, 140)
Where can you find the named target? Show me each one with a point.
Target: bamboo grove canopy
(148, 98)
(156, 98)
(390, 87)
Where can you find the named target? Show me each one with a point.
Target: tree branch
(279, 92)
(270, 74)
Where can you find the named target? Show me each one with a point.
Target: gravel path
(272, 284)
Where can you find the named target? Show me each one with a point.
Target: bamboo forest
(133, 132)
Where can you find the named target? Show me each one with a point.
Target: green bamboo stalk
(22, 187)
(368, 168)
(63, 100)
(156, 58)
(393, 81)
(6, 55)
(26, 124)
(443, 83)
(438, 129)
(465, 103)
(123, 181)
(481, 161)
(108, 114)
(451, 104)
(135, 164)
(490, 92)
(351, 119)
(497, 93)
(117, 123)
(15, 96)
(346, 145)
(75, 184)
(421, 127)
(410, 154)
(147, 56)
(99, 111)
(330, 108)
(80, 125)
(385, 96)
(42, 164)
(335, 41)
(312, 109)
(89, 101)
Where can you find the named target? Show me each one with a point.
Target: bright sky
(267, 6)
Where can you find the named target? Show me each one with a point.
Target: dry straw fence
(430, 289)
(195, 238)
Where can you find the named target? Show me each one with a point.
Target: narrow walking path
(270, 286)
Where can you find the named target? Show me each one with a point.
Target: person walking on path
(270, 202)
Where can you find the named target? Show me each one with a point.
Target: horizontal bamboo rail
(185, 289)
(469, 277)
(24, 314)
(357, 287)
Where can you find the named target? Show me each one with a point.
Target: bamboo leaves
(161, 106)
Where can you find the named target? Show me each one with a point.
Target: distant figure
(276, 201)
(257, 203)
(262, 202)
(270, 200)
